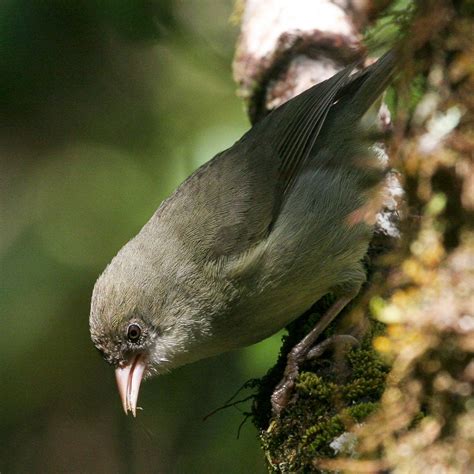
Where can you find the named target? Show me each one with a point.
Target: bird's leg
(306, 349)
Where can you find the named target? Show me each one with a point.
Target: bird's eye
(134, 332)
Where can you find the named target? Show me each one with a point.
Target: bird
(251, 240)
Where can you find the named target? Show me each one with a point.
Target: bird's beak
(129, 378)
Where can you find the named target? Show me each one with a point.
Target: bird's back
(283, 216)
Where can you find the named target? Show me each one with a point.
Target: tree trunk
(347, 415)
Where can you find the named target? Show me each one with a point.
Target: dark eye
(134, 332)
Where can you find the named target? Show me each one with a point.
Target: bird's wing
(231, 203)
(295, 126)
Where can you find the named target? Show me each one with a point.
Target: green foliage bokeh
(105, 108)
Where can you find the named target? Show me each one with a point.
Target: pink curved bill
(129, 379)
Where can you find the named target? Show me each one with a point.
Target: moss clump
(331, 395)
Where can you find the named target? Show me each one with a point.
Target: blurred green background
(105, 107)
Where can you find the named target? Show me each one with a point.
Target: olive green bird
(251, 240)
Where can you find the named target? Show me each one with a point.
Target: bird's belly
(260, 316)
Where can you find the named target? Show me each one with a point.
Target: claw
(339, 339)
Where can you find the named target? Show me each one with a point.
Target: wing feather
(237, 197)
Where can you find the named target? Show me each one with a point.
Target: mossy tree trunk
(415, 316)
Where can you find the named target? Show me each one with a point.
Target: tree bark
(285, 46)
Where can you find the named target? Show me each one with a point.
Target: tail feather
(367, 86)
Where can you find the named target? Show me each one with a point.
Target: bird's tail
(366, 86)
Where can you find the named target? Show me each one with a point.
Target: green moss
(361, 411)
(331, 395)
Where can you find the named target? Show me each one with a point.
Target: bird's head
(145, 319)
(127, 329)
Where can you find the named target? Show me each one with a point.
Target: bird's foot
(305, 349)
(283, 392)
(343, 342)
